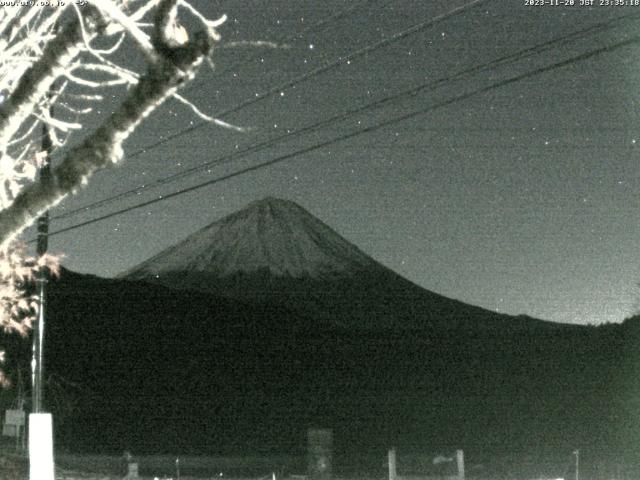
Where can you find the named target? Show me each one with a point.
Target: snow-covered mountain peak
(271, 234)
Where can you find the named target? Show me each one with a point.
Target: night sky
(521, 199)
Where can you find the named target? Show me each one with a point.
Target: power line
(386, 123)
(317, 71)
(192, 85)
(428, 86)
(310, 74)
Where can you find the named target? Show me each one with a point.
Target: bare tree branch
(34, 53)
(37, 80)
(175, 66)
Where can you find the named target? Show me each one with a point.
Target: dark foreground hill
(160, 370)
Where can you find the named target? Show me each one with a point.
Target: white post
(460, 462)
(132, 470)
(392, 464)
(41, 446)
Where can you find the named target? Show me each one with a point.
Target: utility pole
(41, 465)
(37, 360)
(577, 454)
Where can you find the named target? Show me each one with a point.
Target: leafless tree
(63, 55)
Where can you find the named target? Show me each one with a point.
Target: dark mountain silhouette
(274, 250)
(213, 347)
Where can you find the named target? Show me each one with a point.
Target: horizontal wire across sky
(427, 86)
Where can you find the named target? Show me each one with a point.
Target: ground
(16, 467)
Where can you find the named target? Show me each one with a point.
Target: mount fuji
(271, 236)
(274, 250)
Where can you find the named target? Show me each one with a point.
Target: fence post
(320, 453)
(392, 464)
(460, 462)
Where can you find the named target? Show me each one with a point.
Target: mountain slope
(177, 371)
(275, 251)
(166, 370)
